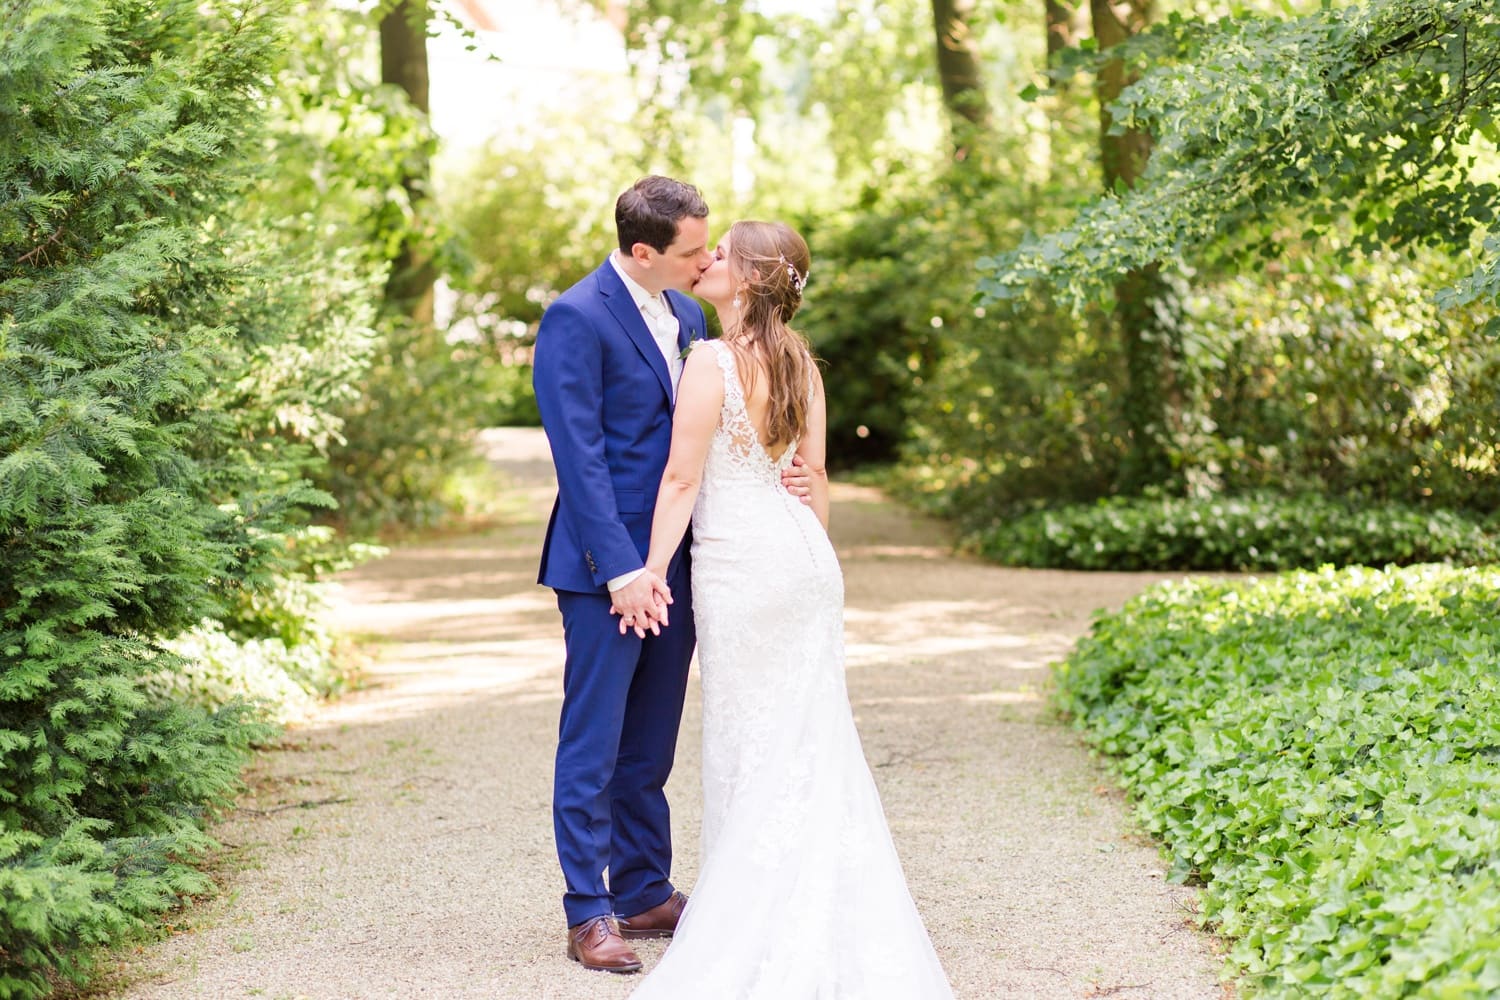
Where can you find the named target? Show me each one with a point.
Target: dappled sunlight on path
(400, 845)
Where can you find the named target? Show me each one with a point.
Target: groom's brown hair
(651, 209)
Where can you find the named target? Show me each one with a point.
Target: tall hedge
(136, 497)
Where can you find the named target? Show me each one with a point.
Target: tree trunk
(1061, 31)
(403, 62)
(1143, 337)
(1061, 21)
(958, 70)
(1123, 156)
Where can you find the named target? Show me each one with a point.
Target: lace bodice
(736, 453)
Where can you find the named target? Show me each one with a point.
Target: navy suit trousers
(622, 704)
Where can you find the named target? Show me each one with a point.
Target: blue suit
(605, 396)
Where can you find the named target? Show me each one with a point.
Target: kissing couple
(692, 508)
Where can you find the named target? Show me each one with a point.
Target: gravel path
(401, 845)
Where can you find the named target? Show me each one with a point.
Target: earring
(736, 302)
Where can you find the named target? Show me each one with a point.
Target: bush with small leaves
(1260, 532)
(1318, 750)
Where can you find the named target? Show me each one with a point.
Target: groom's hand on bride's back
(797, 479)
(642, 604)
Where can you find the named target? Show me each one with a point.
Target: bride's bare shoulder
(702, 365)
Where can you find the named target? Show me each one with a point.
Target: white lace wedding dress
(800, 895)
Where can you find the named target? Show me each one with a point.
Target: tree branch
(26, 258)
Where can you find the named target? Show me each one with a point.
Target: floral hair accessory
(798, 280)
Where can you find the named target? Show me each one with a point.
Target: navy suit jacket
(605, 397)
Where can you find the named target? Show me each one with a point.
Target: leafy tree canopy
(1376, 120)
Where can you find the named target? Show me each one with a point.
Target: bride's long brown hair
(773, 259)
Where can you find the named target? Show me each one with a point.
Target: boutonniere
(689, 348)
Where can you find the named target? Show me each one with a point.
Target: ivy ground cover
(1321, 750)
(1262, 532)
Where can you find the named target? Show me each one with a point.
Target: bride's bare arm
(814, 450)
(700, 397)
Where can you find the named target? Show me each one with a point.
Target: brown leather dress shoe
(596, 944)
(658, 922)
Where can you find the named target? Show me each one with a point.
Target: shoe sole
(643, 935)
(621, 969)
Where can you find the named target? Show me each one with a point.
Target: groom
(607, 362)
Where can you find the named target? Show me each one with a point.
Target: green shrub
(1261, 532)
(164, 361)
(507, 391)
(408, 436)
(216, 670)
(394, 422)
(1322, 752)
(1341, 377)
(527, 239)
(274, 649)
(1322, 376)
(891, 291)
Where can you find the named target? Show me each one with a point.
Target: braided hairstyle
(773, 260)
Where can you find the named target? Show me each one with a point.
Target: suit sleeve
(568, 375)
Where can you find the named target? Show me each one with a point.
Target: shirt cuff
(624, 579)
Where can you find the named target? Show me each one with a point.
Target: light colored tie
(664, 329)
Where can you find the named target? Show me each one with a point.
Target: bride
(801, 895)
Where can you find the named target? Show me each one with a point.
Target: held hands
(642, 604)
(797, 480)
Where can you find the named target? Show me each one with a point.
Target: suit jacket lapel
(617, 299)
